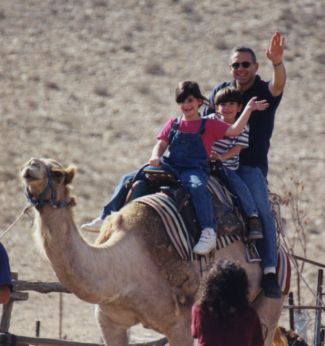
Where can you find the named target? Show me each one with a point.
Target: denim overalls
(188, 160)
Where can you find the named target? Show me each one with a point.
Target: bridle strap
(41, 201)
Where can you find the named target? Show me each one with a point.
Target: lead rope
(24, 211)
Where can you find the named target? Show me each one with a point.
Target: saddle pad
(223, 195)
(175, 226)
(283, 270)
(226, 240)
(172, 221)
(183, 243)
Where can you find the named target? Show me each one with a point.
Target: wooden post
(7, 308)
(6, 315)
(318, 313)
(291, 312)
(38, 329)
(322, 337)
(60, 314)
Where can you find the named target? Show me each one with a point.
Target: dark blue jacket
(5, 274)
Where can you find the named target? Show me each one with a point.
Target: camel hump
(112, 222)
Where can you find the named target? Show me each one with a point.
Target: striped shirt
(223, 145)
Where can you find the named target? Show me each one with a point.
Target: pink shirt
(242, 327)
(215, 129)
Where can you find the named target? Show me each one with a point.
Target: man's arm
(275, 54)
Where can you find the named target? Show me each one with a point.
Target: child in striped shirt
(228, 105)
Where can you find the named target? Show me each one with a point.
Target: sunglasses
(244, 64)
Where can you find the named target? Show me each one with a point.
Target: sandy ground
(92, 82)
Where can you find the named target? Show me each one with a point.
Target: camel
(131, 273)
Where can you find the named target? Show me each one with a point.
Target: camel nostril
(27, 174)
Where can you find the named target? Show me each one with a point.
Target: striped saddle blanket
(175, 226)
(183, 241)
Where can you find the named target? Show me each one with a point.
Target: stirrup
(252, 254)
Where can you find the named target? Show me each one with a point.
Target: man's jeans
(240, 189)
(257, 184)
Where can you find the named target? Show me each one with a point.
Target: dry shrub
(296, 222)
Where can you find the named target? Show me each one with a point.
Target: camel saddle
(228, 215)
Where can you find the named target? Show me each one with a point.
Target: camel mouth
(28, 177)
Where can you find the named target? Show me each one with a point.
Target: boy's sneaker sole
(93, 226)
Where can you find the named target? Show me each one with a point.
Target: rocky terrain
(91, 82)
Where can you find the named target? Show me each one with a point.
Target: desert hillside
(91, 83)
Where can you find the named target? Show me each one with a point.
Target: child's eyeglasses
(244, 64)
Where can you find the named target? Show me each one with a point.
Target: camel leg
(180, 334)
(269, 311)
(112, 333)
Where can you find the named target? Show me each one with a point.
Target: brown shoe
(254, 228)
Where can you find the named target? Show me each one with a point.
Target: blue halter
(41, 201)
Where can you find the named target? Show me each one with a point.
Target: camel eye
(36, 164)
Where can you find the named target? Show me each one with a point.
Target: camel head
(45, 181)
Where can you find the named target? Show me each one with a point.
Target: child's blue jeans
(240, 189)
(257, 184)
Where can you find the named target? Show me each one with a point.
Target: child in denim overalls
(189, 148)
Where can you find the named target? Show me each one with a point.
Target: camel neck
(76, 263)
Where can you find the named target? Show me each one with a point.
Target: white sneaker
(207, 242)
(93, 226)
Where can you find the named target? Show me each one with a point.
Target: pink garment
(241, 327)
(215, 129)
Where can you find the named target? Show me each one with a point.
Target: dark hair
(224, 289)
(244, 49)
(228, 95)
(186, 89)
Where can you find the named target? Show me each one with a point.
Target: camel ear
(57, 174)
(69, 174)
